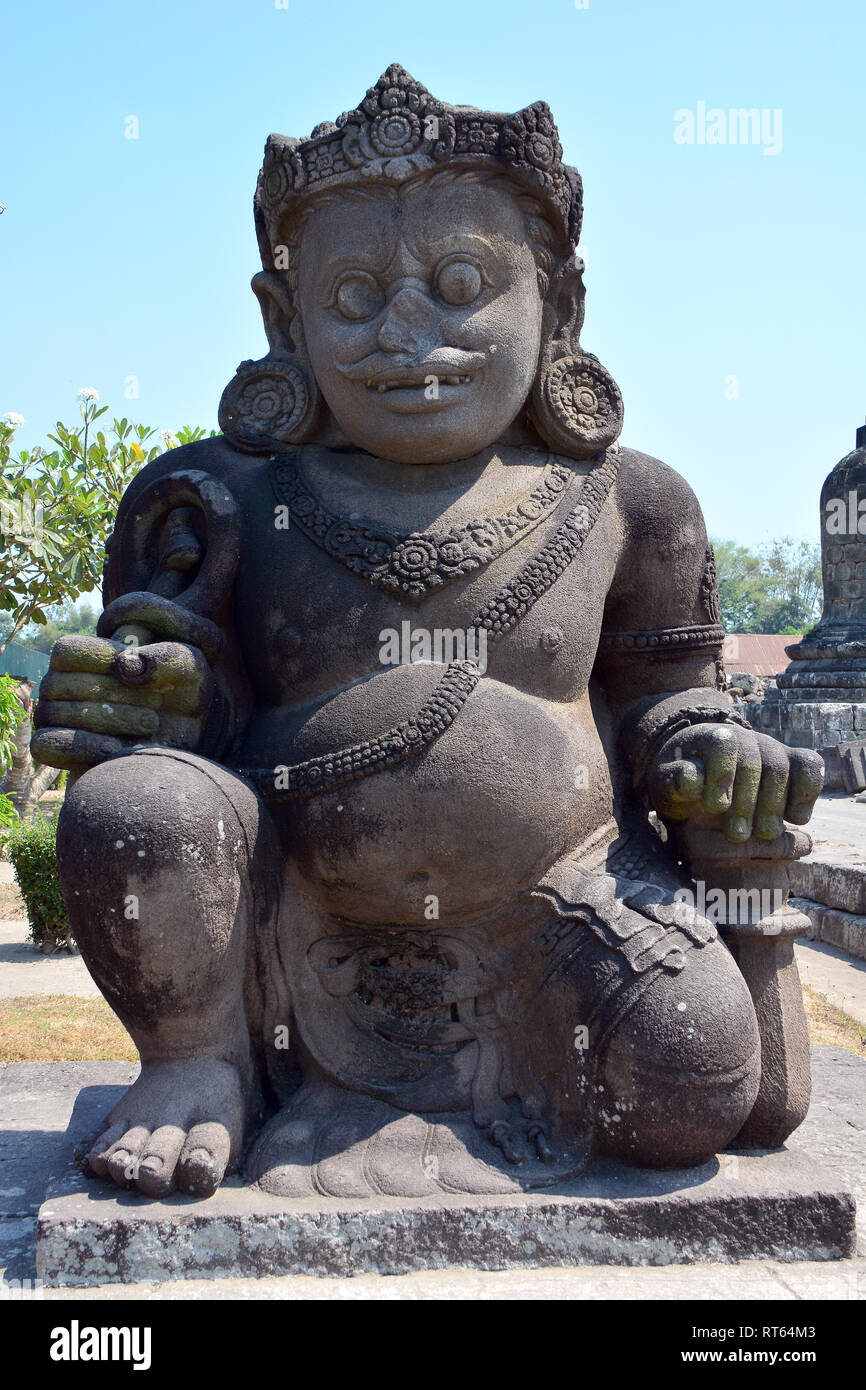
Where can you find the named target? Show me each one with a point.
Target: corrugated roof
(758, 653)
(24, 663)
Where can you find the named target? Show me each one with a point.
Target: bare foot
(180, 1125)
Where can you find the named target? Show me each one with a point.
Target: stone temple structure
(821, 698)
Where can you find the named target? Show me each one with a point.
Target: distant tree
(23, 781)
(775, 588)
(63, 621)
(10, 713)
(57, 507)
(741, 585)
(794, 587)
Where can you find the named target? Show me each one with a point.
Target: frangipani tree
(57, 508)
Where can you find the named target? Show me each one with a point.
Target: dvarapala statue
(390, 679)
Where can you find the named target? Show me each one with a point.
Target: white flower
(170, 438)
(14, 419)
(88, 393)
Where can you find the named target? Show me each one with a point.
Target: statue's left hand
(750, 780)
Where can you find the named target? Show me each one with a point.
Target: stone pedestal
(776, 1205)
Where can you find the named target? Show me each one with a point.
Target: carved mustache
(379, 370)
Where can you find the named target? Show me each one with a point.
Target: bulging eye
(359, 297)
(459, 282)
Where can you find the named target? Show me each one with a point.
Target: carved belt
(497, 618)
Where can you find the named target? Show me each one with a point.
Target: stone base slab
(778, 1205)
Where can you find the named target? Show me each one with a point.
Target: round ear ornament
(576, 405)
(267, 404)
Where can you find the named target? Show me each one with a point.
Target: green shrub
(31, 849)
(9, 817)
(11, 714)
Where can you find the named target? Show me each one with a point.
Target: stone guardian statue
(389, 679)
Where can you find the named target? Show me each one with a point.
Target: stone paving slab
(837, 883)
(24, 970)
(753, 1280)
(844, 931)
(36, 1101)
(829, 885)
(834, 873)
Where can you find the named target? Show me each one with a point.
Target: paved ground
(756, 1281)
(828, 971)
(25, 970)
(838, 828)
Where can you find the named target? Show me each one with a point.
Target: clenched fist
(752, 781)
(103, 697)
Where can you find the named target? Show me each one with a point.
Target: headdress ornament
(400, 130)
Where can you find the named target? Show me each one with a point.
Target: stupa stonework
(820, 702)
(408, 929)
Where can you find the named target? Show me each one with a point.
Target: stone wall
(822, 725)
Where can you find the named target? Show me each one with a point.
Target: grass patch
(830, 1026)
(62, 1028)
(65, 1028)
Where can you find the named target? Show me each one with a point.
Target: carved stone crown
(400, 130)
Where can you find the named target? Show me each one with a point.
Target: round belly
(475, 818)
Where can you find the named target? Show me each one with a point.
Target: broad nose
(411, 323)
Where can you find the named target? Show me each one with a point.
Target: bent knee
(682, 1071)
(155, 809)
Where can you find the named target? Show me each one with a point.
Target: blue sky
(705, 262)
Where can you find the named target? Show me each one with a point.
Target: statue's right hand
(102, 697)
